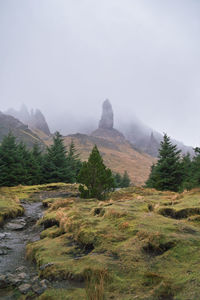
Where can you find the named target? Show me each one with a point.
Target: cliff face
(19, 130)
(34, 120)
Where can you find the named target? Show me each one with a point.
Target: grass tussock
(10, 207)
(95, 283)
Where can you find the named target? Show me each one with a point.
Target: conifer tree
(24, 160)
(73, 162)
(188, 172)
(95, 176)
(125, 182)
(11, 170)
(117, 180)
(167, 173)
(195, 176)
(55, 162)
(38, 159)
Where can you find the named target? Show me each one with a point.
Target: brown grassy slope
(116, 155)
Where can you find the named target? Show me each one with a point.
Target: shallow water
(14, 242)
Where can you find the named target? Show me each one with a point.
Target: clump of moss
(51, 232)
(10, 207)
(62, 294)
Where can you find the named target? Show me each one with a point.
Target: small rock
(39, 288)
(21, 269)
(3, 251)
(2, 236)
(15, 226)
(15, 281)
(35, 279)
(8, 234)
(43, 267)
(10, 278)
(44, 283)
(24, 288)
(23, 276)
(3, 282)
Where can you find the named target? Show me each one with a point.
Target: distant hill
(19, 130)
(117, 156)
(147, 139)
(140, 135)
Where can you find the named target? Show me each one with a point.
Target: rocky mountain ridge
(34, 119)
(19, 130)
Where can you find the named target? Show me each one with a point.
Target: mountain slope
(117, 156)
(35, 120)
(146, 139)
(19, 130)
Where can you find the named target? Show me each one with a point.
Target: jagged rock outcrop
(106, 121)
(34, 120)
(38, 121)
(21, 131)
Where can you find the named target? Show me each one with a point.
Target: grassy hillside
(139, 244)
(116, 155)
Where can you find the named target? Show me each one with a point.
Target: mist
(66, 56)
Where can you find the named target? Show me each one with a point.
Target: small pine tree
(188, 174)
(55, 168)
(167, 173)
(95, 176)
(117, 180)
(11, 169)
(38, 161)
(125, 180)
(73, 162)
(24, 156)
(195, 176)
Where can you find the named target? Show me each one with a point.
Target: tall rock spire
(106, 121)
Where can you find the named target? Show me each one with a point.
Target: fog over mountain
(66, 57)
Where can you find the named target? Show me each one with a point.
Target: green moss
(9, 208)
(61, 294)
(51, 232)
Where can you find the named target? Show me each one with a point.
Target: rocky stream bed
(16, 273)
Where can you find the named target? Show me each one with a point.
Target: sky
(66, 57)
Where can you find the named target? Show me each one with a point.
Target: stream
(15, 270)
(18, 275)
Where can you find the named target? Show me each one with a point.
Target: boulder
(3, 282)
(2, 236)
(24, 288)
(16, 225)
